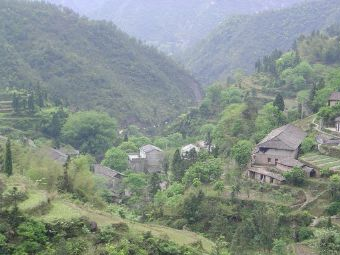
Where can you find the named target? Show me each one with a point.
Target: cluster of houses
(275, 155)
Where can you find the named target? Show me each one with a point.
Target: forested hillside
(240, 41)
(171, 25)
(89, 65)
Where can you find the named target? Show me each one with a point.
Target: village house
(113, 178)
(61, 155)
(276, 154)
(150, 160)
(185, 150)
(334, 99)
(281, 144)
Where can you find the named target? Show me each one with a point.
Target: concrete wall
(332, 103)
(137, 165)
(154, 161)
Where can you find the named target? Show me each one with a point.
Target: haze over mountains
(171, 25)
(89, 64)
(240, 41)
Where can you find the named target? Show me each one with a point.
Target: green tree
(334, 187)
(8, 165)
(128, 147)
(91, 132)
(308, 144)
(154, 184)
(241, 152)
(30, 103)
(279, 102)
(16, 103)
(296, 176)
(207, 171)
(177, 166)
(116, 159)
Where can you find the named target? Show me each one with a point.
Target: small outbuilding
(114, 178)
(334, 99)
(289, 164)
(262, 174)
(150, 159)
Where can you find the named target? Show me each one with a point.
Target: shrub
(296, 176)
(333, 208)
(305, 233)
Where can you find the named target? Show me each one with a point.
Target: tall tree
(15, 103)
(279, 102)
(177, 166)
(30, 103)
(8, 165)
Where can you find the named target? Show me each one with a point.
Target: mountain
(171, 25)
(240, 41)
(89, 64)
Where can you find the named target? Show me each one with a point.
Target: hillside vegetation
(171, 25)
(89, 65)
(240, 41)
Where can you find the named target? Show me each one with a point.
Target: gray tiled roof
(149, 148)
(265, 172)
(288, 137)
(106, 171)
(335, 96)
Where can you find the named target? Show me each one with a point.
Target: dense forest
(240, 41)
(90, 65)
(171, 26)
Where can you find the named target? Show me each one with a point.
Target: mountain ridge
(90, 64)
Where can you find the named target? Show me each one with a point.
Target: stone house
(113, 178)
(276, 154)
(150, 160)
(281, 144)
(334, 99)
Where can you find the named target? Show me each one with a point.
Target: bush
(325, 172)
(333, 209)
(296, 176)
(305, 233)
(308, 144)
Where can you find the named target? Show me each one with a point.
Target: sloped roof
(288, 137)
(264, 171)
(57, 155)
(335, 96)
(106, 171)
(290, 162)
(150, 148)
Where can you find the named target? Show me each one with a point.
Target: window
(276, 160)
(269, 160)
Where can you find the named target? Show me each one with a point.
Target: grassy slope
(62, 209)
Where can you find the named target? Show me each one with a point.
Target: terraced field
(319, 161)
